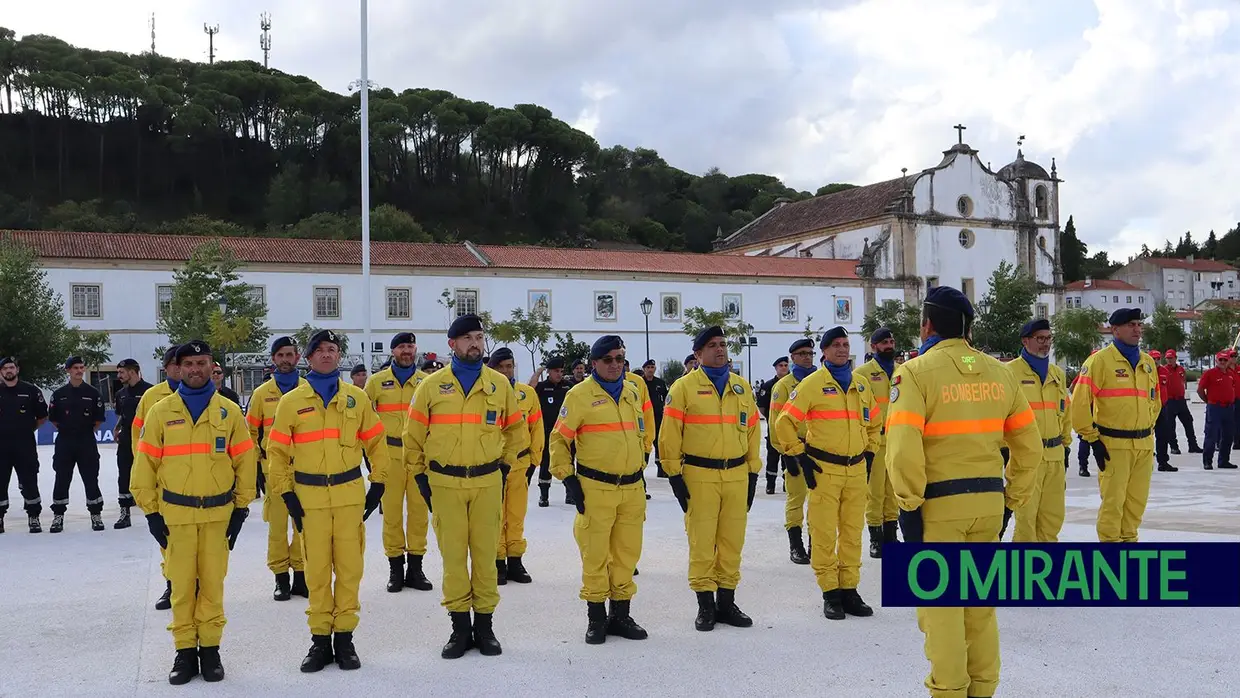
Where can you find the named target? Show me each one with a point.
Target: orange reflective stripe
(1019, 420)
(418, 416)
(777, 406)
(186, 450)
(148, 449)
(305, 437)
(370, 433)
(1086, 380)
(535, 417)
(832, 414)
(390, 407)
(956, 427)
(708, 418)
(1119, 392)
(240, 448)
(647, 406)
(137, 423)
(512, 419)
(456, 419)
(673, 413)
(565, 431)
(1044, 406)
(793, 410)
(607, 426)
(253, 419)
(280, 437)
(882, 399)
(906, 419)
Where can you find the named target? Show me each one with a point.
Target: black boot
(124, 521)
(396, 573)
(484, 635)
(706, 611)
(58, 523)
(1227, 466)
(1084, 471)
(770, 484)
(96, 522)
(165, 602)
(596, 622)
(796, 547)
(184, 667)
(544, 491)
(1194, 448)
(727, 612)
(459, 643)
(414, 578)
(35, 525)
(517, 571)
(282, 591)
(889, 532)
(320, 654)
(619, 622)
(876, 542)
(853, 605)
(1167, 468)
(501, 571)
(346, 654)
(212, 667)
(1, 524)
(1205, 462)
(299, 585)
(832, 605)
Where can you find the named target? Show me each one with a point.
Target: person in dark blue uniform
(22, 412)
(77, 411)
(129, 372)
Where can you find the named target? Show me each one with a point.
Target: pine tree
(1210, 248)
(1072, 253)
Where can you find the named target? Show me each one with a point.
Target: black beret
(402, 338)
(429, 365)
(555, 362)
(124, 363)
(170, 354)
(800, 344)
(6, 361)
(605, 345)
(1034, 326)
(320, 337)
(880, 334)
(579, 362)
(499, 356)
(73, 360)
(780, 360)
(689, 358)
(1123, 316)
(282, 342)
(951, 299)
(464, 325)
(831, 335)
(649, 362)
(194, 347)
(705, 336)
(359, 368)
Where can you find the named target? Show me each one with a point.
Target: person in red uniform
(1233, 370)
(1217, 389)
(1161, 428)
(1176, 404)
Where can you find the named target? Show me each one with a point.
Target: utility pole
(152, 25)
(211, 32)
(264, 39)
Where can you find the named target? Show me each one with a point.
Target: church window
(1042, 311)
(1042, 241)
(1040, 203)
(966, 238)
(966, 287)
(964, 206)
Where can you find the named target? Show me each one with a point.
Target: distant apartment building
(1181, 283)
(1108, 295)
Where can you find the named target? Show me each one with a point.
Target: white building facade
(1108, 295)
(1182, 283)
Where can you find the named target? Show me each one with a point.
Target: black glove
(293, 504)
(680, 490)
(424, 486)
(1007, 516)
(1101, 456)
(159, 530)
(234, 525)
(809, 467)
(374, 495)
(753, 487)
(573, 485)
(911, 526)
(504, 469)
(1006, 453)
(262, 483)
(869, 464)
(790, 466)
(1066, 452)
(529, 475)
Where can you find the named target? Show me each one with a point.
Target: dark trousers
(1235, 415)
(1082, 454)
(1220, 423)
(83, 453)
(1178, 409)
(544, 468)
(124, 465)
(1164, 430)
(658, 426)
(24, 458)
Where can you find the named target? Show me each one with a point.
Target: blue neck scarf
(177, 384)
(286, 381)
(888, 365)
(466, 372)
(841, 374)
(1038, 364)
(1132, 352)
(196, 400)
(325, 384)
(717, 376)
(925, 347)
(802, 373)
(403, 374)
(613, 388)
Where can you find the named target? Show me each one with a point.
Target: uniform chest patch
(221, 444)
(896, 380)
(305, 410)
(174, 424)
(1121, 373)
(875, 376)
(271, 399)
(705, 392)
(1028, 382)
(492, 415)
(830, 390)
(446, 388)
(596, 403)
(387, 385)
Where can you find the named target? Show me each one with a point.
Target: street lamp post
(365, 138)
(223, 321)
(647, 306)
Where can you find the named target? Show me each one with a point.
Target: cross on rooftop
(960, 133)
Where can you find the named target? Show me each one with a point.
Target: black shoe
(184, 667)
(543, 492)
(889, 532)
(283, 592)
(619, 622)
(635, 572)
(396, 573)
(124, 521)
(770, 484)
(212, 667)
(1167, 468)
(832, 605)
(1195, 449)
(1227, 466)
(853, 605)
(165, 602)
(58, 523)
(320, 654)
(501, 572)
(726, 611)
(1, 524)
(1205, 463)
(459, 643)
(96, 522)
(346, 654)
(876, 541)
(706, 611)
(517, 571)
(1084, 472)
(299, 585)
(1175, 450)
(596, 622)
(35, 525)
(796, 547)
(414, 578)
(484, 635)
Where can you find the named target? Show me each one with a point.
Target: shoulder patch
(793, 396)
(563, 412)
(223, 413)
(861, 387)
(895, 394)
(736, 388)
(896, 380)
(520, 394)
(350, 402)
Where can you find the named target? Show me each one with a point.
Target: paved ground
(80, 619)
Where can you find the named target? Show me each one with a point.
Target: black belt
(608, 478)
(526, 452)
(1123, 433)
(713, 463)
(835, 458)
(327, 480)
(395, 441)
(964, 485)
(1051, 443)
(185, 500)
(465, 471)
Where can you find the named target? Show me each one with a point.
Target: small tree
(1215, 331)
(1004, 309)
(302, 337)
(697, 319)
(902, 319)
(810, 332)
(570, 349)
(533, 331)
(32, 317)
(448, 302)
(673, 371)
(1077, 333)
(95, 347)
(208, 279)
(1164, 330)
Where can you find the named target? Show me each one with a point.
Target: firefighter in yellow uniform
(604, 417)
(711, 448)
(466, 429)
(512, 544)
(405, 518)
(1114, 408)
(835, 407)
(194, 476)
(315, 459)
(801, 354)
(881, 511)
(282, 553)
(949, 411)
(154, 394)
(1046, 388)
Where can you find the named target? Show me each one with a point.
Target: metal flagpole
(365, 138)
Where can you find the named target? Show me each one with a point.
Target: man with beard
(512, 544)
(551, 392)
(763, 397)
(22, 412)
(153, 395)
(802, 354)
(129, 372)
(77, 411)
(881, 511)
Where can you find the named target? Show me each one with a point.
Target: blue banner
(105, 434)
(1061, 574)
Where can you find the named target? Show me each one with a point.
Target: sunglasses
(217, 373)
(609, 360)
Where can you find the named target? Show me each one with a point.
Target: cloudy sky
(1138, 100)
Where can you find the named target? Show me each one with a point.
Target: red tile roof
(809, 215)
(1102, 285)
(1195, 265)
(691, 263)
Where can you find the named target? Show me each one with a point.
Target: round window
(964, 206)
(966, 238)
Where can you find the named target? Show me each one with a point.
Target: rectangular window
(1127, 299)
(326, 303)
(398, 304)
(966, 287)
(1115, 299)
(1042, 311)
(1141, 299)
(466, 301)
(164, 294)
(86, 301)
(257, 295)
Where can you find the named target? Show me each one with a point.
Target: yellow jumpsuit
(405, 518)
(460, 441)
(643, 393)
(1119, 403)
(837, 423)
(179, 459)
(281, 552)
(713, 440)
(1042, 518)
(950, 409)
(881, 507)
(517, 490)
(794, 501)
(153, 394)
(610, 440)
(315, 451)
